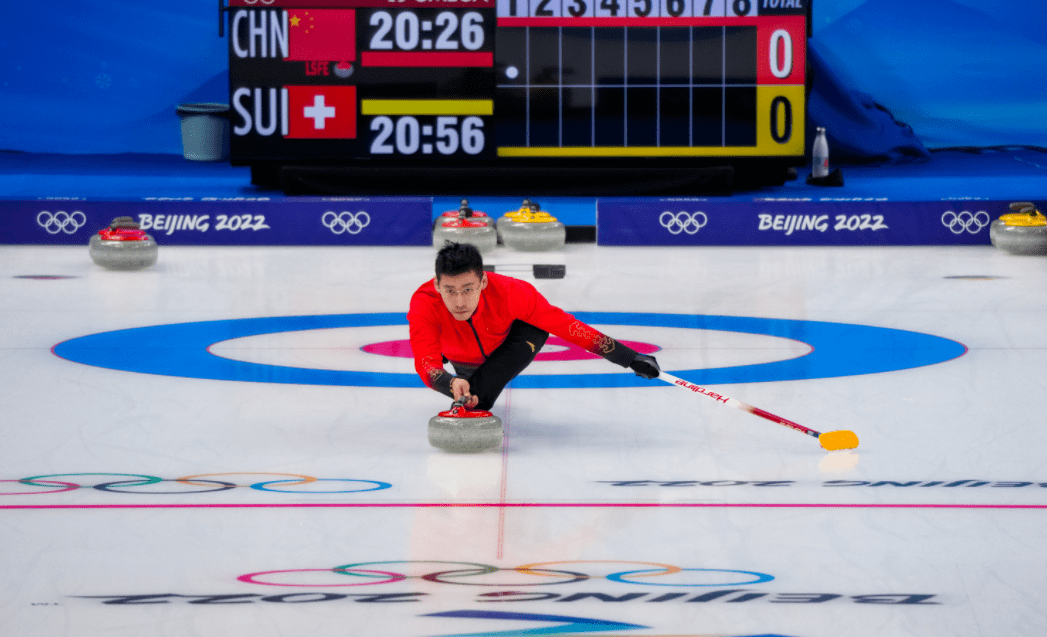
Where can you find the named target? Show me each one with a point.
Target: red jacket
(436, 334)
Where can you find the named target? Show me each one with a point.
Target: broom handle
(737, 404)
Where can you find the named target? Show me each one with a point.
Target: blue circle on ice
(838, 349)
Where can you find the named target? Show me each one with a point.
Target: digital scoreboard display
(455, 82)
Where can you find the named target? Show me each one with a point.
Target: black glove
(645, 366)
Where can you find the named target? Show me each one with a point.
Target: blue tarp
(105, 76)
(858, 128)
(959, 72)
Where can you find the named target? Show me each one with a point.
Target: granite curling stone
(525, 209)
(462, 430)
(123, 246)
(1022, 232)
(477, 233)
(531, 230)
(464, 212)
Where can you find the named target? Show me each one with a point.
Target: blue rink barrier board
(407, 221)
(317, 221)
(696, 222)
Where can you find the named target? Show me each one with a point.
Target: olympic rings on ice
(966, 221)
(61, 221)
(262, 486)
(252, 578)
(760, 577)
(713, 576)
(301, 479)
(683, 221)
(345, 221)
(131, 486)
(68, 486)
(669, 569)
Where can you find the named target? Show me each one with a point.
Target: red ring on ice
(251, 578)
(571, 352)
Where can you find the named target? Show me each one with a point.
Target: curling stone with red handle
(123, 246)
(464, 212)
(465, 430)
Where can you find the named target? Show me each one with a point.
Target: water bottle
(820, 155)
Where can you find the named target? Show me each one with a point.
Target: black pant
(504, 364)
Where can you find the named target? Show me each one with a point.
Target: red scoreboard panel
(504, 82)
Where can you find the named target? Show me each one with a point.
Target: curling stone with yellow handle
(529, 229)
(1022, 231)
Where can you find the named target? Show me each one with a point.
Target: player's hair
(458, 258)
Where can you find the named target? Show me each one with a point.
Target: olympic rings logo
(345, 221)
(965, 221)
(57, 483)
(683, 221)
(61, 221)
(250, 2)
(537, 574)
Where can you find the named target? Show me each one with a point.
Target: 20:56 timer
(427, 135)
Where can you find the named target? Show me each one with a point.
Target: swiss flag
(320, 112)
(322, 35)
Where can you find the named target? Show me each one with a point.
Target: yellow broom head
(836, 440)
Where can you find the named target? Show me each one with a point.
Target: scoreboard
(493, 82)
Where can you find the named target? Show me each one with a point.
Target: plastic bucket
(205, 131)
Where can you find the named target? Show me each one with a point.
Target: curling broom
(830, 441)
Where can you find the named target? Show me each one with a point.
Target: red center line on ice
(505, 472)
(533, 505)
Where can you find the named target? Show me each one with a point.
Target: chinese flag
(322, 35)
(321, 112)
